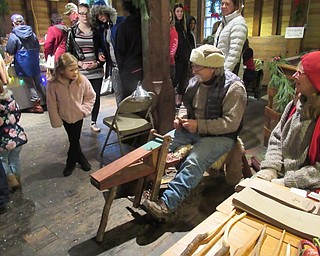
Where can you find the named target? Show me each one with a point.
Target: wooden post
(156, 66)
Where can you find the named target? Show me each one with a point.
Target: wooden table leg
(108, 197)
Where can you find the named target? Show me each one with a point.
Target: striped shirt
(85, 42)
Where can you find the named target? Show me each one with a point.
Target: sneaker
(159, 210)
(94, 127)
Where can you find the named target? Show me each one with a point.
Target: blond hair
(65, 60)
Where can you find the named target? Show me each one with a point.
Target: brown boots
(14, 182)
(36, 107)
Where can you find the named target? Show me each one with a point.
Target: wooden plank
(295, 221)
(281, 194)
(123, 162)
(257, 18)
(275, 17)
(123, 176)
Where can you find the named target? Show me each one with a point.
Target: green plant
(3, 8)
(278, 80)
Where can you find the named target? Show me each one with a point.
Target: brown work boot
(13, 184)
(159, 210)
(36, 107)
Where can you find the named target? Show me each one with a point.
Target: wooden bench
(142, 165)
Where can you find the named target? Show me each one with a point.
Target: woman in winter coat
(231, 34)
(103, 18)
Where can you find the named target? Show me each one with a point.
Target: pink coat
(55, 43)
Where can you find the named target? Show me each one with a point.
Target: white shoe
(94, 127)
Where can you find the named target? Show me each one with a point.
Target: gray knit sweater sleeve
(287, 153)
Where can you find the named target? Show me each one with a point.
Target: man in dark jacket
(128, 49)
(215, 101)
(24, 45)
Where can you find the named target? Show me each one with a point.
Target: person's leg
(12, 180)
(96, 84)
(205, 152)
(14, 163)
(4, 190)
(116, 85)
(182, 67)
(73, 131)
(34, 96)
(181, 138)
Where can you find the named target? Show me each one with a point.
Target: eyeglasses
(197, 68)
(298, 73)
(83, 13)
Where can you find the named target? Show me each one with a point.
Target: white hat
(207, 55)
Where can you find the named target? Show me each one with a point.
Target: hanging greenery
(141, 4)
(3, 8)
(299, 10)
(278, 80)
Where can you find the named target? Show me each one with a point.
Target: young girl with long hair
(70, 98)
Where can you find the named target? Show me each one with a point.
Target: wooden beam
(156, 67)
(257, 18)
(200, 20)
(26, 5)
(275, 17)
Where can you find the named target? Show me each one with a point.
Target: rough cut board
(300, 223)
(281, 194)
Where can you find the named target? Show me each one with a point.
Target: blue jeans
(205, 151)
(11, 161)
(4, 190)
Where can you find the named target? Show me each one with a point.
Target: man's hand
(177, 123)
(190, 125)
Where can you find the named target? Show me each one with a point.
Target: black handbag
(72, 45)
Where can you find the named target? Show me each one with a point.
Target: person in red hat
(293, 154)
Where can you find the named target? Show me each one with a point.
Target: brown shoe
(36, 108)
(159, 210)
(12, 182)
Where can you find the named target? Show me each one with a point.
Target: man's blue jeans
(205, 151)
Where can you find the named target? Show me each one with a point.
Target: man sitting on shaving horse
(215, 101)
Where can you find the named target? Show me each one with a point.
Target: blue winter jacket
(24, 45)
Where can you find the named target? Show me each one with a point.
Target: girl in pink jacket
(70, 98)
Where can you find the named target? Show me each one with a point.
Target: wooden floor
(56, 215)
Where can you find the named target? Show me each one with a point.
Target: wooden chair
(132, 119)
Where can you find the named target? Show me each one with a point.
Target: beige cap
(69, 8)
(207, 55)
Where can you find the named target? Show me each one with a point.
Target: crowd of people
(99, 44)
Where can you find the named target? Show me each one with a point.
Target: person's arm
(173, 42)
(49, 43)
(3, 72)
(88, 98)
(234, 105)
(52, 105)
(11, 46)
(273, 160)
(238, 36)
(121, 46)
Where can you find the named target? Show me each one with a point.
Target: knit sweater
(287, 153)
